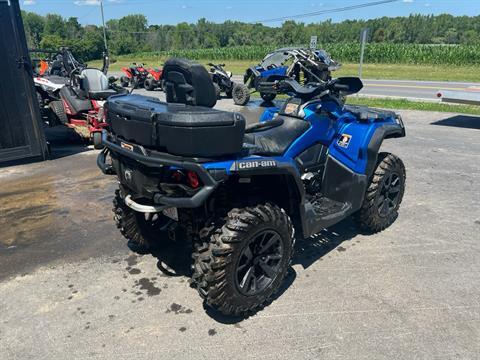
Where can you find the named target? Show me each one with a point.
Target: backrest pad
(189, 83)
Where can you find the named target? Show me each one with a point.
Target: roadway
(409, 89)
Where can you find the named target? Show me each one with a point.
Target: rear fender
(288, 191)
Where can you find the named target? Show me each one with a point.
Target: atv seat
(364, 113)
(275, 141)
(95, 84)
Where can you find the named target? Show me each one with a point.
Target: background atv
(239, 192)
(222, 82)
(135, 74)
(154, 79)
(303, 65)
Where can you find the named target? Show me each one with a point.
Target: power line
(328, 11)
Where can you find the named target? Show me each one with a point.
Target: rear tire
(57, 111)
(142, 234)
(243, 263)
(218, 91)
(268, 97)
(240, 94)
(384, 194)
(97, 140)
(149, 84)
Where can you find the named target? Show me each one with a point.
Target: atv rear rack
(158, 159)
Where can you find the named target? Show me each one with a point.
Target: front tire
(268, 97)
(97, 140)
(384, 194)
(240, 94)
(243, 263)
(142, 231)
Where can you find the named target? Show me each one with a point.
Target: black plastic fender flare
(386, 131)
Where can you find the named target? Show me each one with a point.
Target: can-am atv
(303, 65)
(135, 75)
(81, 103)
(238, 192)
(222, 82)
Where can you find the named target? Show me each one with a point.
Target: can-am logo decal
(344, 140)
(246, 165)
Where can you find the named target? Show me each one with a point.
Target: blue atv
(241, 194)
(302, 65)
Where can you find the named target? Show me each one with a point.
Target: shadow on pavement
(460, 121)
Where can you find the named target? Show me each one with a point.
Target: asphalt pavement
(71, 289)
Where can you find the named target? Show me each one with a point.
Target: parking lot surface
(71, 289)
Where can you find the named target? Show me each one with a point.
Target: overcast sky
(175, 11)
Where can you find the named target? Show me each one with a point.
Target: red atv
(81, 103)
(154, 79)
(134, 75)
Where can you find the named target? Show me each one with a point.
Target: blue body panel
(279, 71)
(328, 132)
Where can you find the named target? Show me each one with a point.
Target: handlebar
(310, 90)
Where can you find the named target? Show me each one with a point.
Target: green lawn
(370, 71)
(403, 104)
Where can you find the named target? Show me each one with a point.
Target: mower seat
(95, 84)
(275, 141)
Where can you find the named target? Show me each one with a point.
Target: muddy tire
(57, 113)
(142, 233)
(149, 84)
(218, 91)
(125, 81)
(384, 194)
(242, 263)
(97, 140)
(240, 94)
(268, 97)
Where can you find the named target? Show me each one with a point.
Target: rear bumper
(158, 160)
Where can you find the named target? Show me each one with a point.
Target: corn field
(385, 53)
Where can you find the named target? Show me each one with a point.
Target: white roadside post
(363, 40)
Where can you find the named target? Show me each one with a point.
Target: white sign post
(363, 40)
(313, 43)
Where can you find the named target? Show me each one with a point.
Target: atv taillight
(177, 176)
(193, 180)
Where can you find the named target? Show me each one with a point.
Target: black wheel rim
(259, 263)
(389, 195)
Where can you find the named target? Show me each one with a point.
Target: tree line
(133, 34)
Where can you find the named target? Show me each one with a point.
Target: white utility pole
(104, 29)
(363, 39)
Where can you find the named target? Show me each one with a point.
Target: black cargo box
(178, 129)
